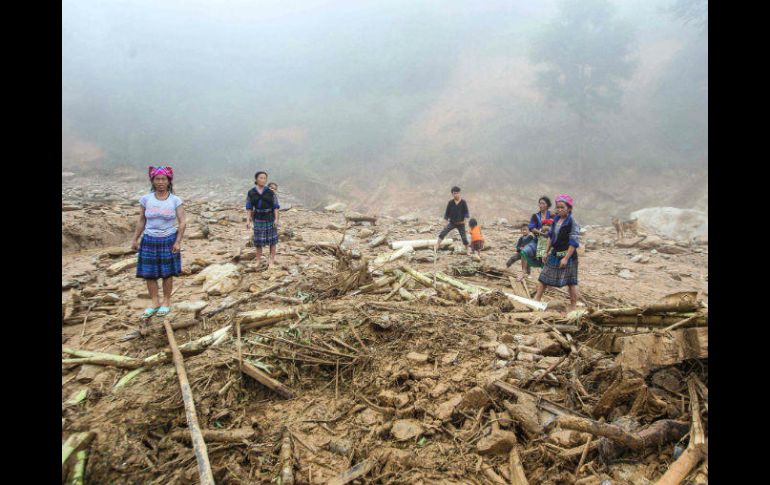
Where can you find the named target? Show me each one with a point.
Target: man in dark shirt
(456, 215)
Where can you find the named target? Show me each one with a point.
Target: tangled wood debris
(364, 365)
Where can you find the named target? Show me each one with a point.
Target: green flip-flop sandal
(163, 311)
(149, 312)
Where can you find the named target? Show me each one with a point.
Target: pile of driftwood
(596, 360)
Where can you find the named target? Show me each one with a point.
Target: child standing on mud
(456, 214)
(477, 240)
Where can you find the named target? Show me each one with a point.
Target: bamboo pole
(390, 257)
(419, 277)
(287, 461)
(75, 443)
(199, 445)
(421, 243)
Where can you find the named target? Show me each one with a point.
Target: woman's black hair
(256, 175)
(455, 189)
(473, 223)
(546, 200)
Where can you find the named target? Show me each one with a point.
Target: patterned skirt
(156, 259)
(265, 234)
(552, 275)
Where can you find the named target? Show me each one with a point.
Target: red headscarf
(565, 198)
(155, 171)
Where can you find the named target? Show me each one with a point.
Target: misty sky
(205, 83)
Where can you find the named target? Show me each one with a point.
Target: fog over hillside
(392, 102)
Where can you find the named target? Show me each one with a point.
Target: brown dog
(625, 226)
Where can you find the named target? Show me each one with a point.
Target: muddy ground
(406, 385)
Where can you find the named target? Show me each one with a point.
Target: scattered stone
(503, 352)
(365, 233)
(407, 218)
(447, 408)
(406, 429)
(449, 358)
(626, 274)
(439, 390)
(497, 443)
(392, 399)
(88, 372)
(675, 276)
(417, 357)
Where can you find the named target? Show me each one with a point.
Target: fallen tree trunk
(229, 304)
(390, 257)
(421, 243)
(284, 299)
(217, 435)
(652, 320)
(145, 331)
(266, 380)
(696, 448)
(100, 358)
(380, 283)
(128, 363)
(419, 277)
(267, 314)
(195, 346)
(657, 434)
(199, 445)
(361, 218)
(475, 289)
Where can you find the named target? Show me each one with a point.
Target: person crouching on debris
(523, 241)
(456, 214)
(160, 248)
(477, 240)
(560, 259)
(262, 211)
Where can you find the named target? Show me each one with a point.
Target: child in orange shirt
(477, 240)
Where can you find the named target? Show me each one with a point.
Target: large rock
(650, 242)
(219, 279)
(673, 222)
(336, 207)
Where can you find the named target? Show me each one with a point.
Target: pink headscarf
(565, 198)
(155, 171)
